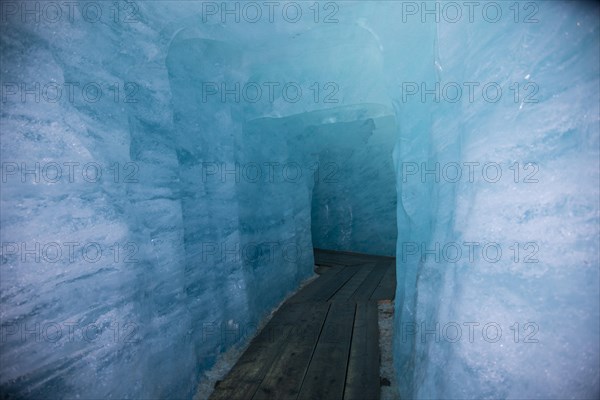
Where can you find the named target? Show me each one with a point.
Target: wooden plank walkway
(323, 343)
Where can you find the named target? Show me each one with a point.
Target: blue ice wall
(498, 268)
(146, 259)
(150, 218)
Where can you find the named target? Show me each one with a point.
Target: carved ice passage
(167, 168)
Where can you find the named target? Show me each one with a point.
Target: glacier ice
(161, 222)
(168, 167)
(529, 316)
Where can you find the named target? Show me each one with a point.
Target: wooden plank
(351, 255)
(322, 258)
(332, 260)
(322, 291)
(336, 263)
(244, 379)
(326, 373)
(307, 293)
(346, 291)
(386, 290)
(338, 258)
(314, 348)
(366, 289)
(284, 378)
(362, 379)
(335, 285)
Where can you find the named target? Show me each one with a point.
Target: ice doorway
(344, 157)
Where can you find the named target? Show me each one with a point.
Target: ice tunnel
(170, 167)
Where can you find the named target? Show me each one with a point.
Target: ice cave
(173, 171)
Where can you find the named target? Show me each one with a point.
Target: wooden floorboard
(347, 290)
(309, 292)
(348, 256)
(326, 373)
(245, 377)
(327, 288)
(386, 290)
(372, 281)
(285, 375)
(362, 379)
(323, 343)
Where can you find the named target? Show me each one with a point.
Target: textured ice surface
(549, 212)
(202, 229)
(129, 284)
